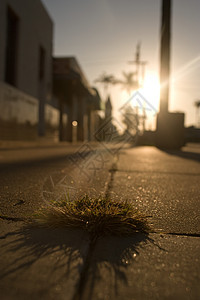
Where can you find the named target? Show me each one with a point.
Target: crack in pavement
(83, 276)
(110, 183)
(13, 219)
(158, 172)
(177, 233)
(112, 172)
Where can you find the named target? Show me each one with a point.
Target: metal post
(165, 55)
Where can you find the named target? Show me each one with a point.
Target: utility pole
(170, 126)
(140, 65)
(140, 74)
(165, 55)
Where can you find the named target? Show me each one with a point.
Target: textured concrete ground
(53, 263)
(163, 265)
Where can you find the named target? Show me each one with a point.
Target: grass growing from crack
(98, 216)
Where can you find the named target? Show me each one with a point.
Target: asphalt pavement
(51, 263)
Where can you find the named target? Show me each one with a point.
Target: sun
(151, 93)
(151, 89)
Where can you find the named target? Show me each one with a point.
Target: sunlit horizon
(108, 46)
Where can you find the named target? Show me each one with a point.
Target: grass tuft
(99, 216)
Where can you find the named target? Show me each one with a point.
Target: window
(41, 63)
(11, 47)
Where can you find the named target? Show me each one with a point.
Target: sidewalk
(39, 143)
(47, 264)
(163, 265)
(26, 151)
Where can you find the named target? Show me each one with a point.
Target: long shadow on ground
(50, 258)
(110, 260)
(44, 260)
(184, 154)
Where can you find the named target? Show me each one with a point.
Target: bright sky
(102, 35)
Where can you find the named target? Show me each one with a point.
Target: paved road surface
(47, 264)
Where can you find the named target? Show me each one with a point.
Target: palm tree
(106, 80)
(129, 83)
(130, 116)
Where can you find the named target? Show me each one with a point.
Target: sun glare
(151, 93)
(151, 89)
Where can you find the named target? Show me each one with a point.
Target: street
(47, 263)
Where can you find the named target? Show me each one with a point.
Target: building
(108, 109)
(40, 95)
(26, 34)
(78, 103)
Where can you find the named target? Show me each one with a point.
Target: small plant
(99, 216)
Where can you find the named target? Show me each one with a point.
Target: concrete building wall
(33, 55)
(35, 30)
(19, 115)
(16, 106)
(2, 38)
